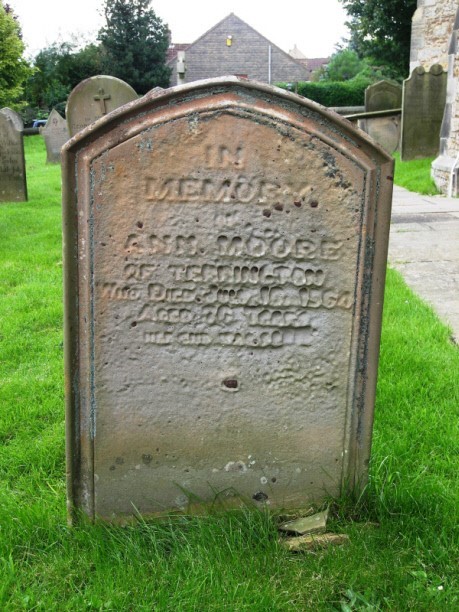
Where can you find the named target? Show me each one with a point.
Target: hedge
(331, 93)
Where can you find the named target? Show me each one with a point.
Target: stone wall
(444, 168)
(431, 32)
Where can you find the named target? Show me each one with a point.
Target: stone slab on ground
(424, 247)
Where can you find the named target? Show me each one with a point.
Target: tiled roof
(174, 48)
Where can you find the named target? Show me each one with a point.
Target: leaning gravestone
(383, 95)
(56, 135)
(95, 97)
(424, 97)
(225, 259)
(15, 118)
(13, 186)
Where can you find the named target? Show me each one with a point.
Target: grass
(404, 530)
(414, 175)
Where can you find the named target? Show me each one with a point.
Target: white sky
(315, 26)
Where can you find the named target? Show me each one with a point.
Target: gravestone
(383, 127)
(13, 186)
(56, 135)
(383, 95)
(95, 97)
(15, 118)
(424, 97)
(225, 258)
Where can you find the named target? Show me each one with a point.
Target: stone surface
(315, 523)
(430, 33)
(424, 95)
(385, 130)
(56, 134)
(314, 542)
(225, 260)
(424, 248)
(383, 95)
(445, 171)
(14, 116)
(93, 98)
(13, 186)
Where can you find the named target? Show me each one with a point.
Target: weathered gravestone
(14, 116)
(383, 127)
(56, 135)
(383, 95)
(225, 263)
(13, 186)
(424, 96)
(95, 97)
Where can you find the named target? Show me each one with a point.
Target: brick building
(232, 47)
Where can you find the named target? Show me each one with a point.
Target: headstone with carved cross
(95, 97)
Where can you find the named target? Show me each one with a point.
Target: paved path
(424, 247)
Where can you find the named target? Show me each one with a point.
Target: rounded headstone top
(14, 116)
(436, 69)
(95, 97)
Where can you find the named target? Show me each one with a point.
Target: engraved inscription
(261, 290)
(240, 188)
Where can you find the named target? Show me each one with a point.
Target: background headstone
(95, 97)
(383, 95)
(384, 129)
(225, 258)
(56, 135)
(13, 186)
(424, 97)
(14, 116)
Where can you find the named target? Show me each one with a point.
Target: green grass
(404, 530)
(414, 175)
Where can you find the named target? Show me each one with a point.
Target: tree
(135, 43)
(344, 65)
(381, 30)
(58, 69)
(14, 69)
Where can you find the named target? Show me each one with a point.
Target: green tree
(14, 69)
(135, 43)
(343, 65)
(58, 69)
(381, 30)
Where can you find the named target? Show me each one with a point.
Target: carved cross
(101, 97)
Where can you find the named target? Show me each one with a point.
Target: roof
(174, 48)
(246, 24)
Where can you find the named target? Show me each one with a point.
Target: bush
(333, 93)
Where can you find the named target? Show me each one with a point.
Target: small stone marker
(225, 258)
(315, 542)
(424, 97)
(13, 186)
(383, 95)
(315, 523)
(15, 118)
(56, 135)
(95, 97)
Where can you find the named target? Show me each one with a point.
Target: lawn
(414, 175)
(404, 530)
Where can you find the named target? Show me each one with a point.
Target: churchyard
(404, 540)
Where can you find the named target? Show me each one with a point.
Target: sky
(315, 26)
